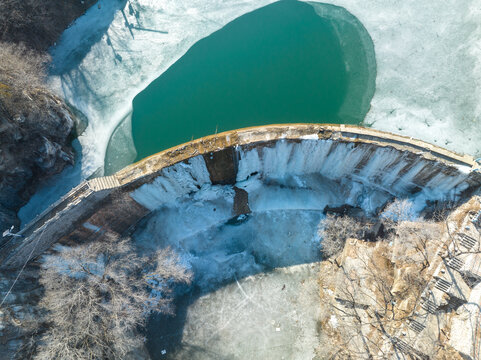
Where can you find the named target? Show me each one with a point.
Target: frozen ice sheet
(266, 316)
(428, 58)
(219, 250)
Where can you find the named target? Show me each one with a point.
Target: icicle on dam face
(222, 178)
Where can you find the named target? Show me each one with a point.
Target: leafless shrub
(416, 241)
(398, 210)
(335, 230)
(99, 294)
(21, 67)
(22, 74)
(16, 15)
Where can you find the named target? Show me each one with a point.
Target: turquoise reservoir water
(287, 62)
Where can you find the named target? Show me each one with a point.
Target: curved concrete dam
(242, 208)
(276, 167)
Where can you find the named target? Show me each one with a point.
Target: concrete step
(416, 326)
(407, 349)
(443, 285)
(455, 264)
(429, 306)
(103, 183)
(467, 241)
(401, 345)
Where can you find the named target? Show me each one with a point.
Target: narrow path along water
(286, 62)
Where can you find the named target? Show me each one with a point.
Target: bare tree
(335, 230)
(376, 286)
(416, 242)
(22, 77)
(98, 295)
(38, 23)
(398, 210)
(16, 15)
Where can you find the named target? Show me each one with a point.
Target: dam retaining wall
(398, 165)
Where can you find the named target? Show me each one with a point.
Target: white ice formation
(288, 185)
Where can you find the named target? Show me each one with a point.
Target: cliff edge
(36, 127)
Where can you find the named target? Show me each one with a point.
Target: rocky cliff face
(33, 146)
(35, 125)
(414, 294)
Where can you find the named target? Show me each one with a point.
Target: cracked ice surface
(429, 65)
(255, 291)
(219, 251)
(266, 316)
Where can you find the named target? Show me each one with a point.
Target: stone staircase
(416, 326)
(467, 241)
(434, 300)
(104, 183)
(443, 285)
(429, 305)
(455, 263)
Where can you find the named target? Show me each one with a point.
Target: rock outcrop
(35, 125)
(415, 295)
(33, 146)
